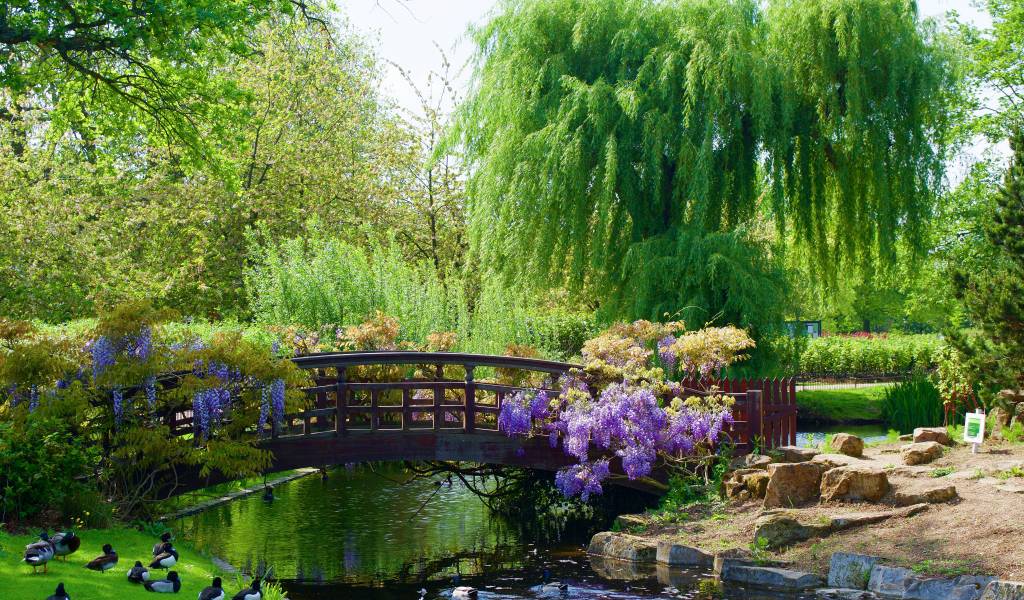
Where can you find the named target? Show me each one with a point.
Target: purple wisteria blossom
(264, 409)
(667, 355)
(277, 400)
(117, 396)
(33, 398)
(149, 387)
(104, 354)
(582, 479)
(514, 416)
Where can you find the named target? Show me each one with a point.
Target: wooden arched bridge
(442, 406)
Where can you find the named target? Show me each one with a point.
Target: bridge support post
(469, 417)
(341, 402)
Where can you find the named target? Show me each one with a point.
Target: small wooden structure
(456, 419)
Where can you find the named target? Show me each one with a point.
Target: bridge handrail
(326, 360)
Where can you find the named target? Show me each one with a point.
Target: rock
(622, 546)
(935, 495)
(783, 528)
(1004, 590)
(999, 418)
(631, 521)
(751, 461)
(678, 555)
(851, 520)
(1018, 413)
(906, 437)
(733, 488)
(848, 570)
(831, 461)
(844, 594)
(623, 570)
(727, 559)
(794, 454)
(756, 484)
(848, 444)
(773, 578)
(940, 589)
(890, 581)
(921, 452)
(854, 483)
(1011, 487)
(932, 434)
(792, 484)
(740, 474)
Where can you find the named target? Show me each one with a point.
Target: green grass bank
(18, 583)
(848, 405)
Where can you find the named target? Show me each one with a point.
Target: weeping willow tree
(634, 149)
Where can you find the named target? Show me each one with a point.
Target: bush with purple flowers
(625, 403)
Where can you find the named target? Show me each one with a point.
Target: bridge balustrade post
(341, 403)
(469, 417)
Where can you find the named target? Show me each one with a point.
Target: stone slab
(773, 578)
(849, 570)
(678, 555)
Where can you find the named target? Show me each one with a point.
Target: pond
(365, 533)
(807, 437)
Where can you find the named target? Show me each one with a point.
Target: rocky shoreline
(806, 496)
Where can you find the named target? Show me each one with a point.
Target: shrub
(914, 402)
(890, 355)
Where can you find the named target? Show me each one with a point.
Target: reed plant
(913, 402)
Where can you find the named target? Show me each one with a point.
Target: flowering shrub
(127, 374)
(627, 403)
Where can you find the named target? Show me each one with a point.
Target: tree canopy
(612, 141)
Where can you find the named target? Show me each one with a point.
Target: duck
(250, 593)
(165, 538)
(464, 592)
(59, 593)
(213, 592)
(138, 573)
(268, 493)
(105, 561)
(39, 553)
(553, 586)
(171, 585)
(166, 559)
(65, 543)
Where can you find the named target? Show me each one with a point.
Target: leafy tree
(994, 294)
(629, 145)
(995, 69)
(149, 62)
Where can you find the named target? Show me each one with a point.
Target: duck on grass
(194, 571)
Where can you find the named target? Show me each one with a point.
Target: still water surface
(366, 534)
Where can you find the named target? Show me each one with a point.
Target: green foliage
(848, 405)
(941, 471)
(914, 402)
(993, 353)
(44, 466)
(888, 355)
(631, 148)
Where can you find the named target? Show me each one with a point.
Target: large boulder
(928, 495)
(844, 594)
(920, 453)
(890, 581)
(848, 444)
(940, 588)
(932, 434)
(773, 578)
(1000, 419)
(1018, 414)
(848, 570)
(793, 454)
(1004, 590)
(756, 484)
(831, 461)
(678, 555)
(854, 483)
(792, 484)
(783, 528)
(623, 546)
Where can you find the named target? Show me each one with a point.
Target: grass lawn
(18, 583)
(848, 405)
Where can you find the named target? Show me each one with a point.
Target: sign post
(974, 429)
